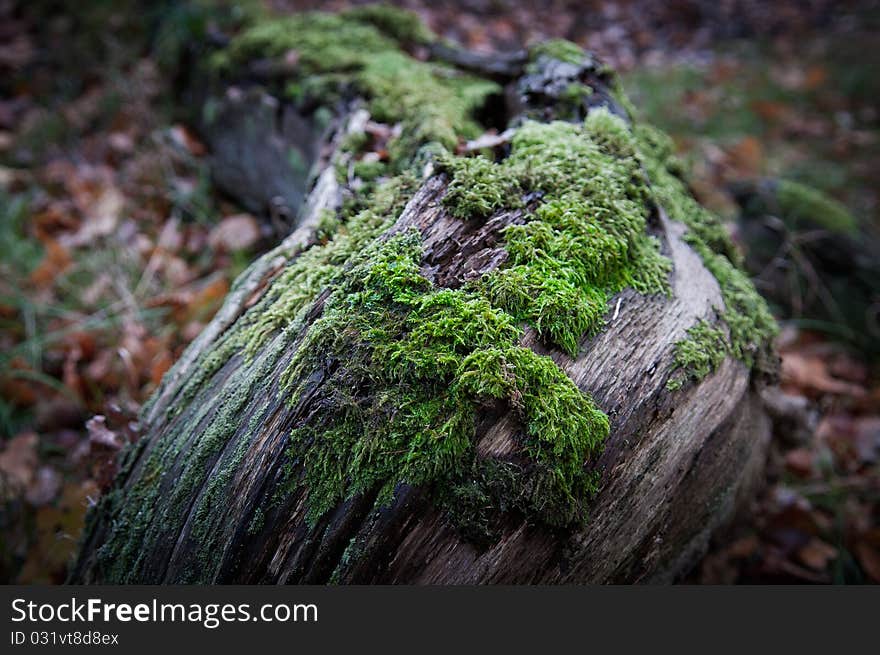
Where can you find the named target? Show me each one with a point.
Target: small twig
(488, 141)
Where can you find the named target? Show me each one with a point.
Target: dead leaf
(817, 554)
(44, 487)
(58, 531)
(16, 390)
(160, 366)
(56, 260)
(811, 373)
(237, 232)
(101, 218)
(17, 53)
(869, 559)
(121, 142)
(70, 372)
(747, 156)
(744, 547)
(772, 112)
(100, 435)
(182, 136)
(206, 300)
(18, 462)
(815, 77)
(800, 462)
(855, 441)
(170, 238)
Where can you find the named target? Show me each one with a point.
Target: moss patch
(558, 49)
(410, 366)
(700, 354)
(403, 26)
(586, 240)
(358, 53)
(749, 323)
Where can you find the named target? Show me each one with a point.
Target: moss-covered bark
(380, 377)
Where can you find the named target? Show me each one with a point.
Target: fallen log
(533, 362)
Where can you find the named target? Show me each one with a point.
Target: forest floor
(116, 250)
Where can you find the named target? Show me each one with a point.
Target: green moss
(309, 35)
(411, 364)
(403, 26)
(360, 49)
(670, 191)
(434, 103)
(282, 306)
(576, 93)
(802, 204)
(368, 171)
(585, 241)
(745, 313)
(559, 49)
(700, 354)
(478, 502)
(328, 224)
(572, 102)
(750, 325)
(257, 521)
(587, 238)
(478, 187)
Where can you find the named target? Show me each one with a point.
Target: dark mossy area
(360, 53)
(397, 368)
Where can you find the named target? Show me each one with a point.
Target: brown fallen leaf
(101, 435)
(817, 554)
(182, 136)
(205, 301)
(815, 76)
(161, 363)
(16, 389)
(800, 462)
(44, 487)
(746, 156)
(56, 260)
(171, 236)
(855, 441)
(869, 559)
(770, 111)
(811, 373)
(102, 212)
(236, 232)
(18, 462)
(744, 547)
(58, 529)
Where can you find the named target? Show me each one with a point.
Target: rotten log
(225, 484)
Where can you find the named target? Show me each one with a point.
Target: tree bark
(675, 467)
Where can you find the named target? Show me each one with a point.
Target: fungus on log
(521, 357)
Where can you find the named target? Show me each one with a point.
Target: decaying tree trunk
(206, 493)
